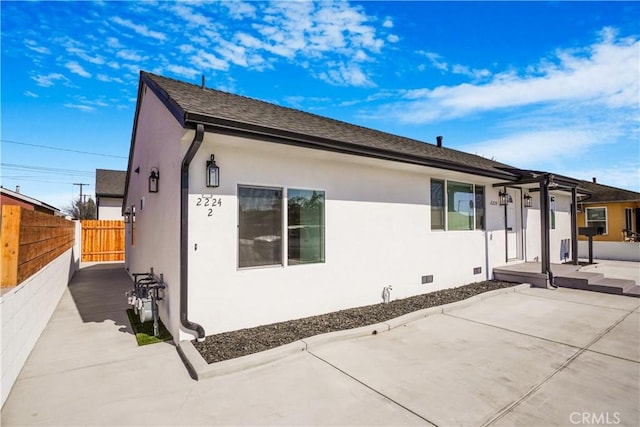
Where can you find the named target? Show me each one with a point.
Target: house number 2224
(209, 202)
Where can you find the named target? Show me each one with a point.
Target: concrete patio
(528, 357)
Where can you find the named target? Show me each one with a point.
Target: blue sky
(542, 85)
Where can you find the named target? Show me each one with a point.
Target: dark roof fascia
(134, 132)
(281, 136)
(171, 105)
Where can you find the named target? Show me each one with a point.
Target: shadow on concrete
(98, 291)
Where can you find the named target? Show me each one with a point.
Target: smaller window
(460, 206)
(437, 204)
(305, 226)
(597, 217)
(479, 207)
(628, 219)
(553, 212)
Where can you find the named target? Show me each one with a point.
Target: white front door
(514, 225)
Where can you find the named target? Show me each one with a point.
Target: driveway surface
(534, 357)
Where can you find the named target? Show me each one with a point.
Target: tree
(82, 210)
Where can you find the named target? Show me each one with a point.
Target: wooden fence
(29, 241)
(102, 240)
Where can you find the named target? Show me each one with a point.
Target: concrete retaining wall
(622, 251)
(27, 308)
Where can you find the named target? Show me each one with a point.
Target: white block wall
(26, 309)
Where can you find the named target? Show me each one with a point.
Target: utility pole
(81, 185)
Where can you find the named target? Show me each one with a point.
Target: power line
(62, 149)
(47, 170)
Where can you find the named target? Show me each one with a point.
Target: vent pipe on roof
(439, 141)
(203, 82)
(594, 180)
(17, 188)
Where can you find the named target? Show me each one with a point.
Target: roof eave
(231, 127)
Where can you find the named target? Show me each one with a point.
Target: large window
(597, 217)
(305, 225)
(261, 223)
(460, 208)
(465, 206)
(437, 204)
(260, 226)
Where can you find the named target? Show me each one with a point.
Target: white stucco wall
(26, 310)
(159, 144)
(110, 208)
(378, 233)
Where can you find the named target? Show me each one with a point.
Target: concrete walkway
(531, 357)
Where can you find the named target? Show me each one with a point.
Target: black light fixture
(213, 173)
(154, 180)
(505, 198)
(528, 200)
(127, 216)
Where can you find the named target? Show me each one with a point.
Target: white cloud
(82, 54)
(239, 9)
(130, 55)
(574, 77)
(392, 38)
(108, 79)
(622, 175)
(139, 29)
(388, 23)
(81, 107)
(76, 68)
(48, 80)
(114, 43)
(31, 94)
(33, 45)
(341, 74)
(180, 70)
(208, 61)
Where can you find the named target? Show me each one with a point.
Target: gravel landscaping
(229, 345)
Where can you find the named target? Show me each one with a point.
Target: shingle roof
(604, 193)
(110, 183)
(192, 104)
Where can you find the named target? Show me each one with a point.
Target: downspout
(545, 226)
(574, 226)
(184, 234)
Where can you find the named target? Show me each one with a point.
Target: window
(260, 226)
(133, 225)
(479, 207)
(552, 205)
(465, 206)
(305, 226)
(628, 219)
(437, 204)
(460, 206)
(597, 217)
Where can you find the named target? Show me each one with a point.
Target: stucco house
(616, 210)
(256, 213)
(109, 193)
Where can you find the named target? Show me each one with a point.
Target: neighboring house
(616, 210)
(8, 197)
(312, 215)
(109, 193)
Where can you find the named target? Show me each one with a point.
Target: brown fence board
(30, 241)
(102, 240)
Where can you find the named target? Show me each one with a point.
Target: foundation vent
(427, 279)
(477, 270)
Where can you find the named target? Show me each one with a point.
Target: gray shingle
(193, 101)
(110, 183)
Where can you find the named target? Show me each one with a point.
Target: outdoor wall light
(528, 200)
(213, 173)
(505, 198)
(127, 217)
(154, 180)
